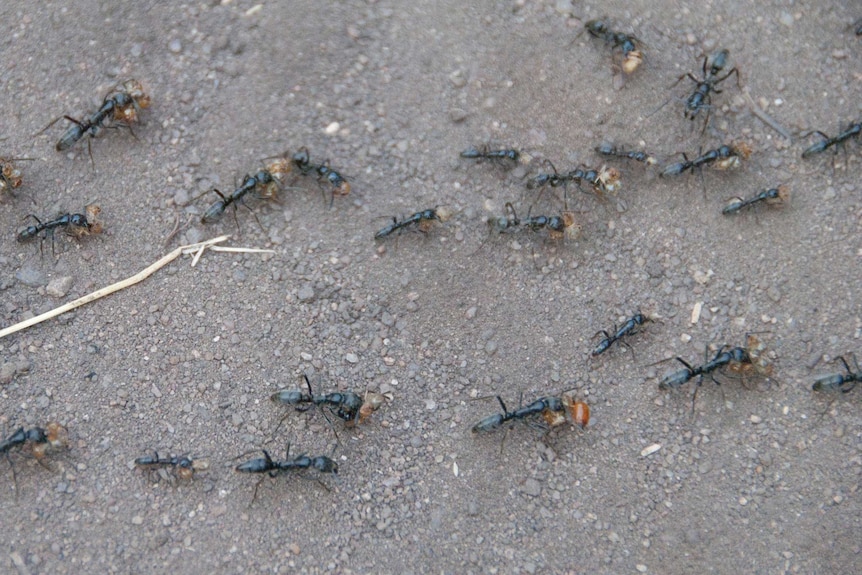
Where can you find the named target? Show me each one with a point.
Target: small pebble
(175, 46)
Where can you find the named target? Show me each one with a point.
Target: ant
(553, 411)
(629, 327)
(558, 226)
(340, 185)
(422, 220)
(852, 131)
(840, 380)
(487, 154)
(700, 98)
(121, 106)
(607, 149)
(629, 45)
(266, 182)
(726, 157)
(273, 467)
(603, 180)
(77, 225)
(737, 359)
(42, 441)
(345, 405)
(773, 197)
(184, 467)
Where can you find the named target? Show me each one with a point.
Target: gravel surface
(761, 477)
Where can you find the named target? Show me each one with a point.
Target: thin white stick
(138, 277)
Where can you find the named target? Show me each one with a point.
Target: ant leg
(14, 475)
(256, 487)
(90, 152)
(242, 201)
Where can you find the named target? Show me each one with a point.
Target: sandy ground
(762, 477)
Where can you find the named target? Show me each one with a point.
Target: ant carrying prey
(553, 411)
(184, 467)
(629, 45)
(119, 109)
(423, 221)
(76, 225)
(42, 442)
(748, 360)
(346, 405)
(726, 157)
(265, 183)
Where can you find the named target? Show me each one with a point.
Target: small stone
(351, 358)
(641, 568)
(491, 347)
(755, 419)
(332, 129)
(7, 372)
(457, 115)
(774, 294)
(294, 548)
(563, 7)
(457, 78)
(175, 46)
(786, 19)
(647, 451)
(30, 276)
(137, 520)
(532, 487)
(305, 293)
(471, 312)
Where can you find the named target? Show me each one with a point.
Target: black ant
(273, 467)
(852, 131)
(266, 183)
(345, 405)
(42, 442)
(340, 186)
(629, 327)
(628, 44)
(184, 467)
(423, 221)
(840, 380)
(726, 157)
(552, 409)
(495, 155)
(741, 360)
(120, 106)
(558, 226)
(602, 180)
(607, 149)
(773, 197)
(77, 225)
(700, 98)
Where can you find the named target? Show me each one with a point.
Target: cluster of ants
(123, 103)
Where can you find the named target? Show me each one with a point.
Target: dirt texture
(762, 476)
